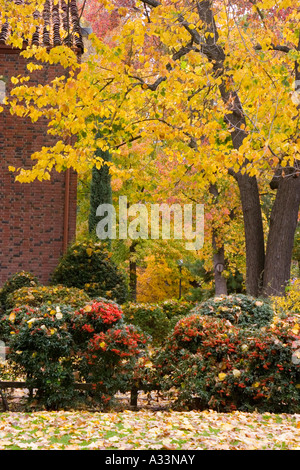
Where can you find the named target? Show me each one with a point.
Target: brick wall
(31, 215)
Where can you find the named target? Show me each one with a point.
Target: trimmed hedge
(36, 296)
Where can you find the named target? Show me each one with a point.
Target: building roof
(59, 25)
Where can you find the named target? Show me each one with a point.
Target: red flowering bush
(109, 349)
(214, 364)
(95, 317)
(111, 359)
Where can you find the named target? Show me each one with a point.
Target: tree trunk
(218, 254)
(254, 234)
(219, 263)
(283, 224)
(132, 272)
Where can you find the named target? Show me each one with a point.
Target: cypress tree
(101, 192)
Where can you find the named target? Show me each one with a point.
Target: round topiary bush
(209, 363)
(89, 266)
(290, 303)
(15, 282)
(240, 309)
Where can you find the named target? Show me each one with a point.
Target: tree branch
(152, 3)
(272, 47)
(152, 86)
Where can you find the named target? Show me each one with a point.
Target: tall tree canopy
(217, 80)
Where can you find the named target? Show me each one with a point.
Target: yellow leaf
(236, 372)
(222, 376)
(295, 330)
(12, 317)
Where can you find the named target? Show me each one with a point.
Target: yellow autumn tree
(217, 80)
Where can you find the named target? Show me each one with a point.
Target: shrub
(156, 319)
(150, 318)
(14, 283)
(36, 296)
(108, 348)
(239, 309)
(89, 266)
(214, 364)
(111, 359)
(51, 343)
(173, 308)
(94, 318)
(42, 345)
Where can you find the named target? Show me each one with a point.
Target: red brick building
(37, 220)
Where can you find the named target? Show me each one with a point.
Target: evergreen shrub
(41, 345)
(156, 319)
(88, 266)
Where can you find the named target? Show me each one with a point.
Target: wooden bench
(78, 386)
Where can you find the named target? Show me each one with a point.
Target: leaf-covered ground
(148, 430)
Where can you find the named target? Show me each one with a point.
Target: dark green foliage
(157, 320)
(150, 318)
(88, 266)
